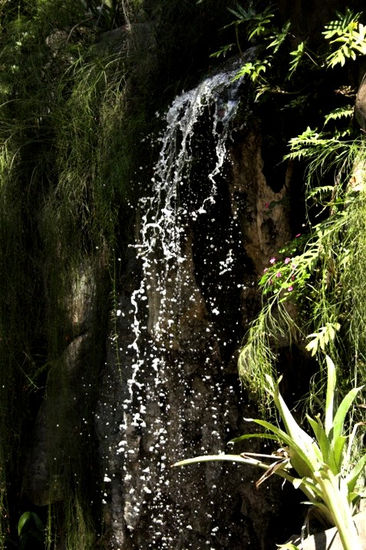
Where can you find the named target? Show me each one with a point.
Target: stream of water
(167, 315)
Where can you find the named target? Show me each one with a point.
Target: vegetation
(326, 469)
(309, 285)
(312, 289)
(61, 143)
(75, 102)
(317, 274)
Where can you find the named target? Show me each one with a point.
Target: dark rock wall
(194, 404)
(187, 399)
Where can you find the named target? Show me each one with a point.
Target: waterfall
(164, 217)
(169, 317)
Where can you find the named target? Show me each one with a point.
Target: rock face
(63, 404)
(60, 426)
(360, 104)
(110, 415)
(170, 387)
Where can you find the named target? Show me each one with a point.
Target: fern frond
(341, 112)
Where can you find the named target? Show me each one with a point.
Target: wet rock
(360, 104)
(263, 213)
(170, 388)
(59, 419)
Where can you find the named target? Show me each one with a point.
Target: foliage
(346, 36)
(312, 282)
(344, 40)
(324, 469)
(30, 531)
(253, 70)
(321, 339)
(62, 139)
(256, 23)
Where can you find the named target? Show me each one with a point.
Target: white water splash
(164, 219)
(166, 276)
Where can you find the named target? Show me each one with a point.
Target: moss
(62, 186)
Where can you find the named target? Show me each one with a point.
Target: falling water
(168, 294)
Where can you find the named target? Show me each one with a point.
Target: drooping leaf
(342, 411)
(210, 458)
(299, 458)
(254, 435)
(355, 473)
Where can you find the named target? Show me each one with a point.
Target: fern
(339, 113)
(307, 144)
(278, 38)
(223, 51)
(320, 192)
(297, 56)
(253, 70)
(321, 338)
(257, 23)
(346, 35)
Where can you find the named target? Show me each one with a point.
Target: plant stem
(337, 502)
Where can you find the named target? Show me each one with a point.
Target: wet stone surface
(170, 388)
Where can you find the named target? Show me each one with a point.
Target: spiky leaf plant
(322, 466)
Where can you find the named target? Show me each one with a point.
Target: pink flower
(290, 289)
(265, 270)
(278, 274)
(272, 261)
(287, 260)
(298, 235)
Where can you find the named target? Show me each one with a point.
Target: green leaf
(297, 434)
(320, 191)
(331, 384)
(337, 451)
(355, 473)
(312, 346)
(253, 70)
(210, 458)
(348, 34)
(24, 518)
(321, 436)
(222, 51)
(299, 459)
(340, 112)
(322, 338)
(297, 56)
(343, 410)
(27, 517)
(254, 435)
(279, 38)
